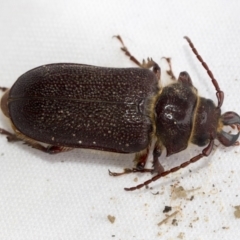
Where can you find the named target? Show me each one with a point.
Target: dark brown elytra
(120, 110)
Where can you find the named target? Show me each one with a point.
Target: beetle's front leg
(11, 137)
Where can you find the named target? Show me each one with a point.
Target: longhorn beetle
(124, 110)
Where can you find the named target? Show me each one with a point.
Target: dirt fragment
(179, 192)
(167, 218)
(181, 235)
(167, 209)
(237, 211)
(111, 219)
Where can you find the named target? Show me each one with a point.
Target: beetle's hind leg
(48, 149)
(4, 89)
(11, 137)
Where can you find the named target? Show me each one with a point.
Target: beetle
(123, 110)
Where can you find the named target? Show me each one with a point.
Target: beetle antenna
(220, 94)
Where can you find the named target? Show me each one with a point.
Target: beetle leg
(157, 166)
(140, 160)
(205, 152)
(170, 71)
(129, 170)
(145, 64)
(125, 50)
(4, 89)
(10, 136)
(150, 63)
(49, 149)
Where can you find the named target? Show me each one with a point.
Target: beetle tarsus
(4, 89)
(49, 149)
(10, 136)
(126, 51)
(145, 64)
(170, 71)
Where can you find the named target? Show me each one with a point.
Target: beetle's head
(208, 116)
(209, 124)
(231, 119)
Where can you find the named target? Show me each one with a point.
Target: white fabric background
(70, 195)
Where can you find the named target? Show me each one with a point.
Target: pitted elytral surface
(85, 106)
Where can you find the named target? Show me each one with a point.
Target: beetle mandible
(120, 110)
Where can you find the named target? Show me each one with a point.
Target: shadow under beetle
(122, 110)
